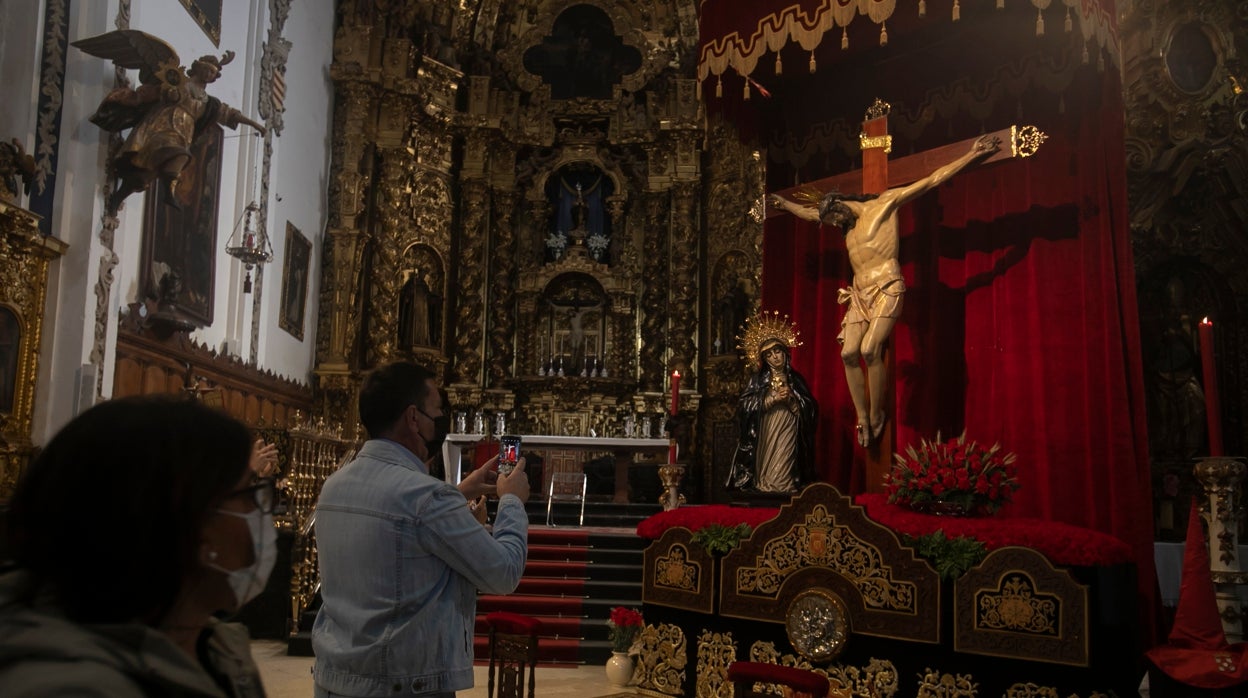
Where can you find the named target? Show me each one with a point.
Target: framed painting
(294, 282)
(180, 237)
(207, 14)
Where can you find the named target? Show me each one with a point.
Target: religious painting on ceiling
(207, 14)
(180, 237)
(294, 282)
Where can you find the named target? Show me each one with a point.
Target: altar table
(622, 448)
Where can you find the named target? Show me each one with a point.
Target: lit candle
(675, 392)
(1213, 414)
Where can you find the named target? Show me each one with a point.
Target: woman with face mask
(137, 524)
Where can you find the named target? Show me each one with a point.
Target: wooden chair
(566, 487)
(513, 653)
(795, 683)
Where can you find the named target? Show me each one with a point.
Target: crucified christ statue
(875, 294)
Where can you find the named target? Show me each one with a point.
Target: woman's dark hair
(108, 518)
(388, 390)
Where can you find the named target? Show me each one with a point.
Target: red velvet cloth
(1020, 325)
(1063, 544)
(806, 681)
(514, 623)
(1197, 653)
(697, 517)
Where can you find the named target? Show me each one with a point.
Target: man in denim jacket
(401, 555)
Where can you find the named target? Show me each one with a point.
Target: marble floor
(291, 677)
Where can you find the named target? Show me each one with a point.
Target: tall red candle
(1213, 413)
(675, 392)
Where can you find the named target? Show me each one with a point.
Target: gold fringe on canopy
(806, 27)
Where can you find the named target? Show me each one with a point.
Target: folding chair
(566, 487)
(796, 683)
(513, 653)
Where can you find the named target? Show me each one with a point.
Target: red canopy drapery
(1019, 325)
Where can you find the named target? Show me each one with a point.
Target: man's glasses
(263, 493)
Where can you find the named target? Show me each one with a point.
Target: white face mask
(247, 582)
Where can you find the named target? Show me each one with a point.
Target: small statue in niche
(420, 313)
(165, 113)
(776, 414)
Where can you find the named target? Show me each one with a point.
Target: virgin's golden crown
(763, 327)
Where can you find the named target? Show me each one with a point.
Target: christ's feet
(877, 425)
(863, 433)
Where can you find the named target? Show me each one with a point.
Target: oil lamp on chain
(248, 246)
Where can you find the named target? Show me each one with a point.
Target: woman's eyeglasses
(263, 493)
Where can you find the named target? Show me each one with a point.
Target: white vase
(619, 669)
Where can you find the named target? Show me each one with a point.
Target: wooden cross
(879, 174)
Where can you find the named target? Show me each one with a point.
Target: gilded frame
(207, 14)
(294, 298)
(184, 240)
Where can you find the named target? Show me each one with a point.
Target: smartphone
(508, 453)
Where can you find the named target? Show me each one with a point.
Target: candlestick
(672, 452)
(675, 392)
(1213, 413)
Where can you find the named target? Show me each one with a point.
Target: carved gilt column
(470, 312)
(653, 309)
(683, 297)
(340, 282)
(393, 214)
(503, 292)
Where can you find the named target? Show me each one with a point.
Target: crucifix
(864, 204)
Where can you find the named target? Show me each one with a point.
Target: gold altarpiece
(555, 235)
(25, 254)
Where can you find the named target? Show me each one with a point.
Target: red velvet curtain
(1019, 325)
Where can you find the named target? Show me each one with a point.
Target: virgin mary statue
(776, 413)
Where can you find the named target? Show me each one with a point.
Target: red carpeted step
(531, 605)
(555, 568)
(558, 552)
(568, 627)
(552, 586)
(558, 536)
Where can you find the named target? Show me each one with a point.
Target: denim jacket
(401, 560)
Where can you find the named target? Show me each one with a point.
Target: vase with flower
(622, 627)
(952, 478)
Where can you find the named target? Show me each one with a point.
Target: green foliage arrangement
(950, 556)
(719, 539)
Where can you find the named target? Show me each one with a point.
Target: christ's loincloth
(870, 302)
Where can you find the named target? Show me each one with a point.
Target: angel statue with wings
(164, 114)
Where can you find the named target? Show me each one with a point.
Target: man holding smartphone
(402, 557)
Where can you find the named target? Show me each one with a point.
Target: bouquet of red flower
(965, 475)
(623, 625)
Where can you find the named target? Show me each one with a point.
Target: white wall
(299, 176)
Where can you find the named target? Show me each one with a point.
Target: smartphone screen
(508, 453)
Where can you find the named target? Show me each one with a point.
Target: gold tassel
(779, 67)
(745, 91)
(1100, 62)
(719, 86)
(844, 38)
(883, 35)
(812, 61)
(1070, 23)
(922, 9)
(1000, 4)
(1085, 53)
(1039, 23)
(957, 11)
